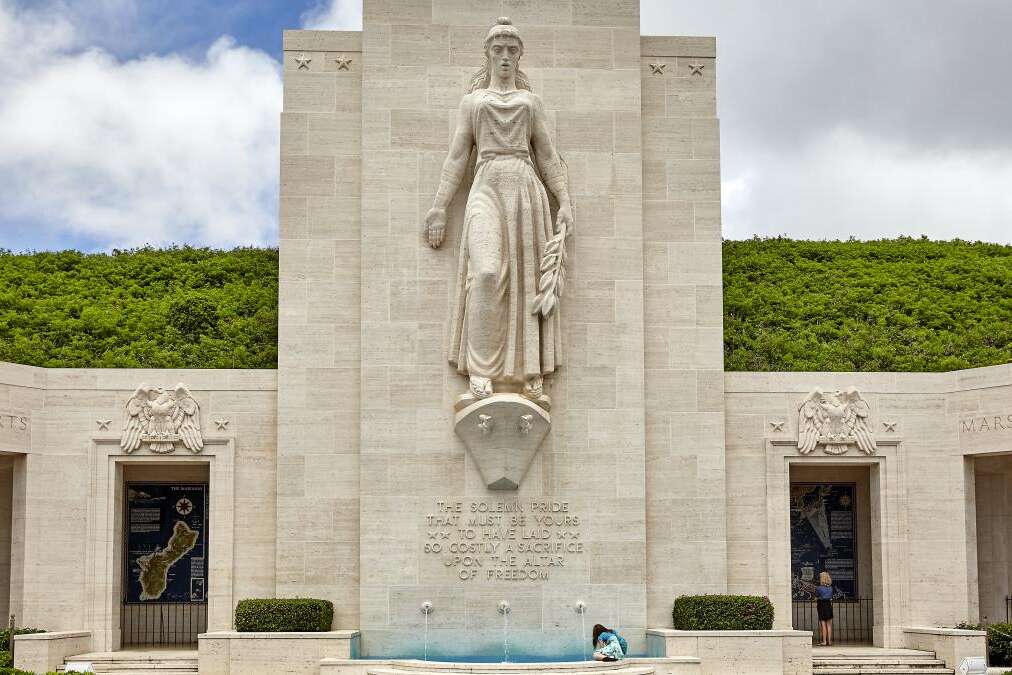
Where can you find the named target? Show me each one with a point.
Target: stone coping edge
(542, 665)
(671, 632)
(55, 635)
(322, 635)
(956, 632)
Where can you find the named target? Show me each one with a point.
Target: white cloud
(158, 149)
(334, 15)
(844, 184)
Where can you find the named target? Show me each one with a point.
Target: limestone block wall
(583, 58)
(53, 479)
(318, 331)
(683, 318)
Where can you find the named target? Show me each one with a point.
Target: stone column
(318, 333)
(686, 510)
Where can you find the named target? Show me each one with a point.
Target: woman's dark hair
(598, 629)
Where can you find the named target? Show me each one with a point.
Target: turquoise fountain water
(581, 609)
(504, 609)
(426, 609)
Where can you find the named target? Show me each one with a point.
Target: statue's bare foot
(481, 387)
(534, 388)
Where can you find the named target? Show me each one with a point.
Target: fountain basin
(669, 665)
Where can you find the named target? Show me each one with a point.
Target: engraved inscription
(512, 540)
(985, 424)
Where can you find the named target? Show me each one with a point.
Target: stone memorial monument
(463, 200)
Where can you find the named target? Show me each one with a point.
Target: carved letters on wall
(162, 418)
(835, 420)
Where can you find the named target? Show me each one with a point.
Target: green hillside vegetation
(146, 308)
(890, 305)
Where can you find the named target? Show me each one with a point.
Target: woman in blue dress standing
(824, 605)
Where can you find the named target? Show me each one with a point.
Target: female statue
(502, 331)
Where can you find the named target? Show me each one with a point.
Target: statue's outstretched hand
(564, 218)
(435, 227)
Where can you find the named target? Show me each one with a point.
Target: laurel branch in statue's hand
(435, 227)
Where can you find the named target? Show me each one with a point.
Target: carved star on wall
(777, 425)
(890, 426)
(343, 63)
(696, 69)
(103, 425)
(221, 423)
(303, 61)
(657, 68)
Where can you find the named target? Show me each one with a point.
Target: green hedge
(894, 305)
(15, 671)
(283, 615)
(146, 308)
(789, 305)
(999, 644)
(722, 612)
(5, 636)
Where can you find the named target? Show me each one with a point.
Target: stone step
(138, 665)
(142, 671)
(881, 670)
(923, 662)
(877, 652)
(139, 672)
(139, 662)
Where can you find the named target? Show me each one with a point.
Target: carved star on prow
(221, 423)
(696, 69)
(103, 425)
(343, 63)
(777, 425)
(303, 61)
(657, 68)
(890, 426)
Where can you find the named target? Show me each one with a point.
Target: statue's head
(503, 49)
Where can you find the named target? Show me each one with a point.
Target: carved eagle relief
(835, 420)
(162, 418)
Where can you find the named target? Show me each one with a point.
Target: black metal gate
(163, 623)
(852, 620)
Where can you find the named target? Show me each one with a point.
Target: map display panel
(823, 524)
(166, 542)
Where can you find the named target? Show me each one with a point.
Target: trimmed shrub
(283, 615)
(722, 612)
(999, 644)
(5, 636)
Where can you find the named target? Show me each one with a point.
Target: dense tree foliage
(888, 305)
(146, 308)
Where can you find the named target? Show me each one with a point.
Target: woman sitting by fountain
(608, 644)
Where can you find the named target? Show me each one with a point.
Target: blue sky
(132, 122)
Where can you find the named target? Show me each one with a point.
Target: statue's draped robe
(507, 223)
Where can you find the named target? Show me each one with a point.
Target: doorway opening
(993, 506)
(830, 523)
(7, 539)
(165, 554)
